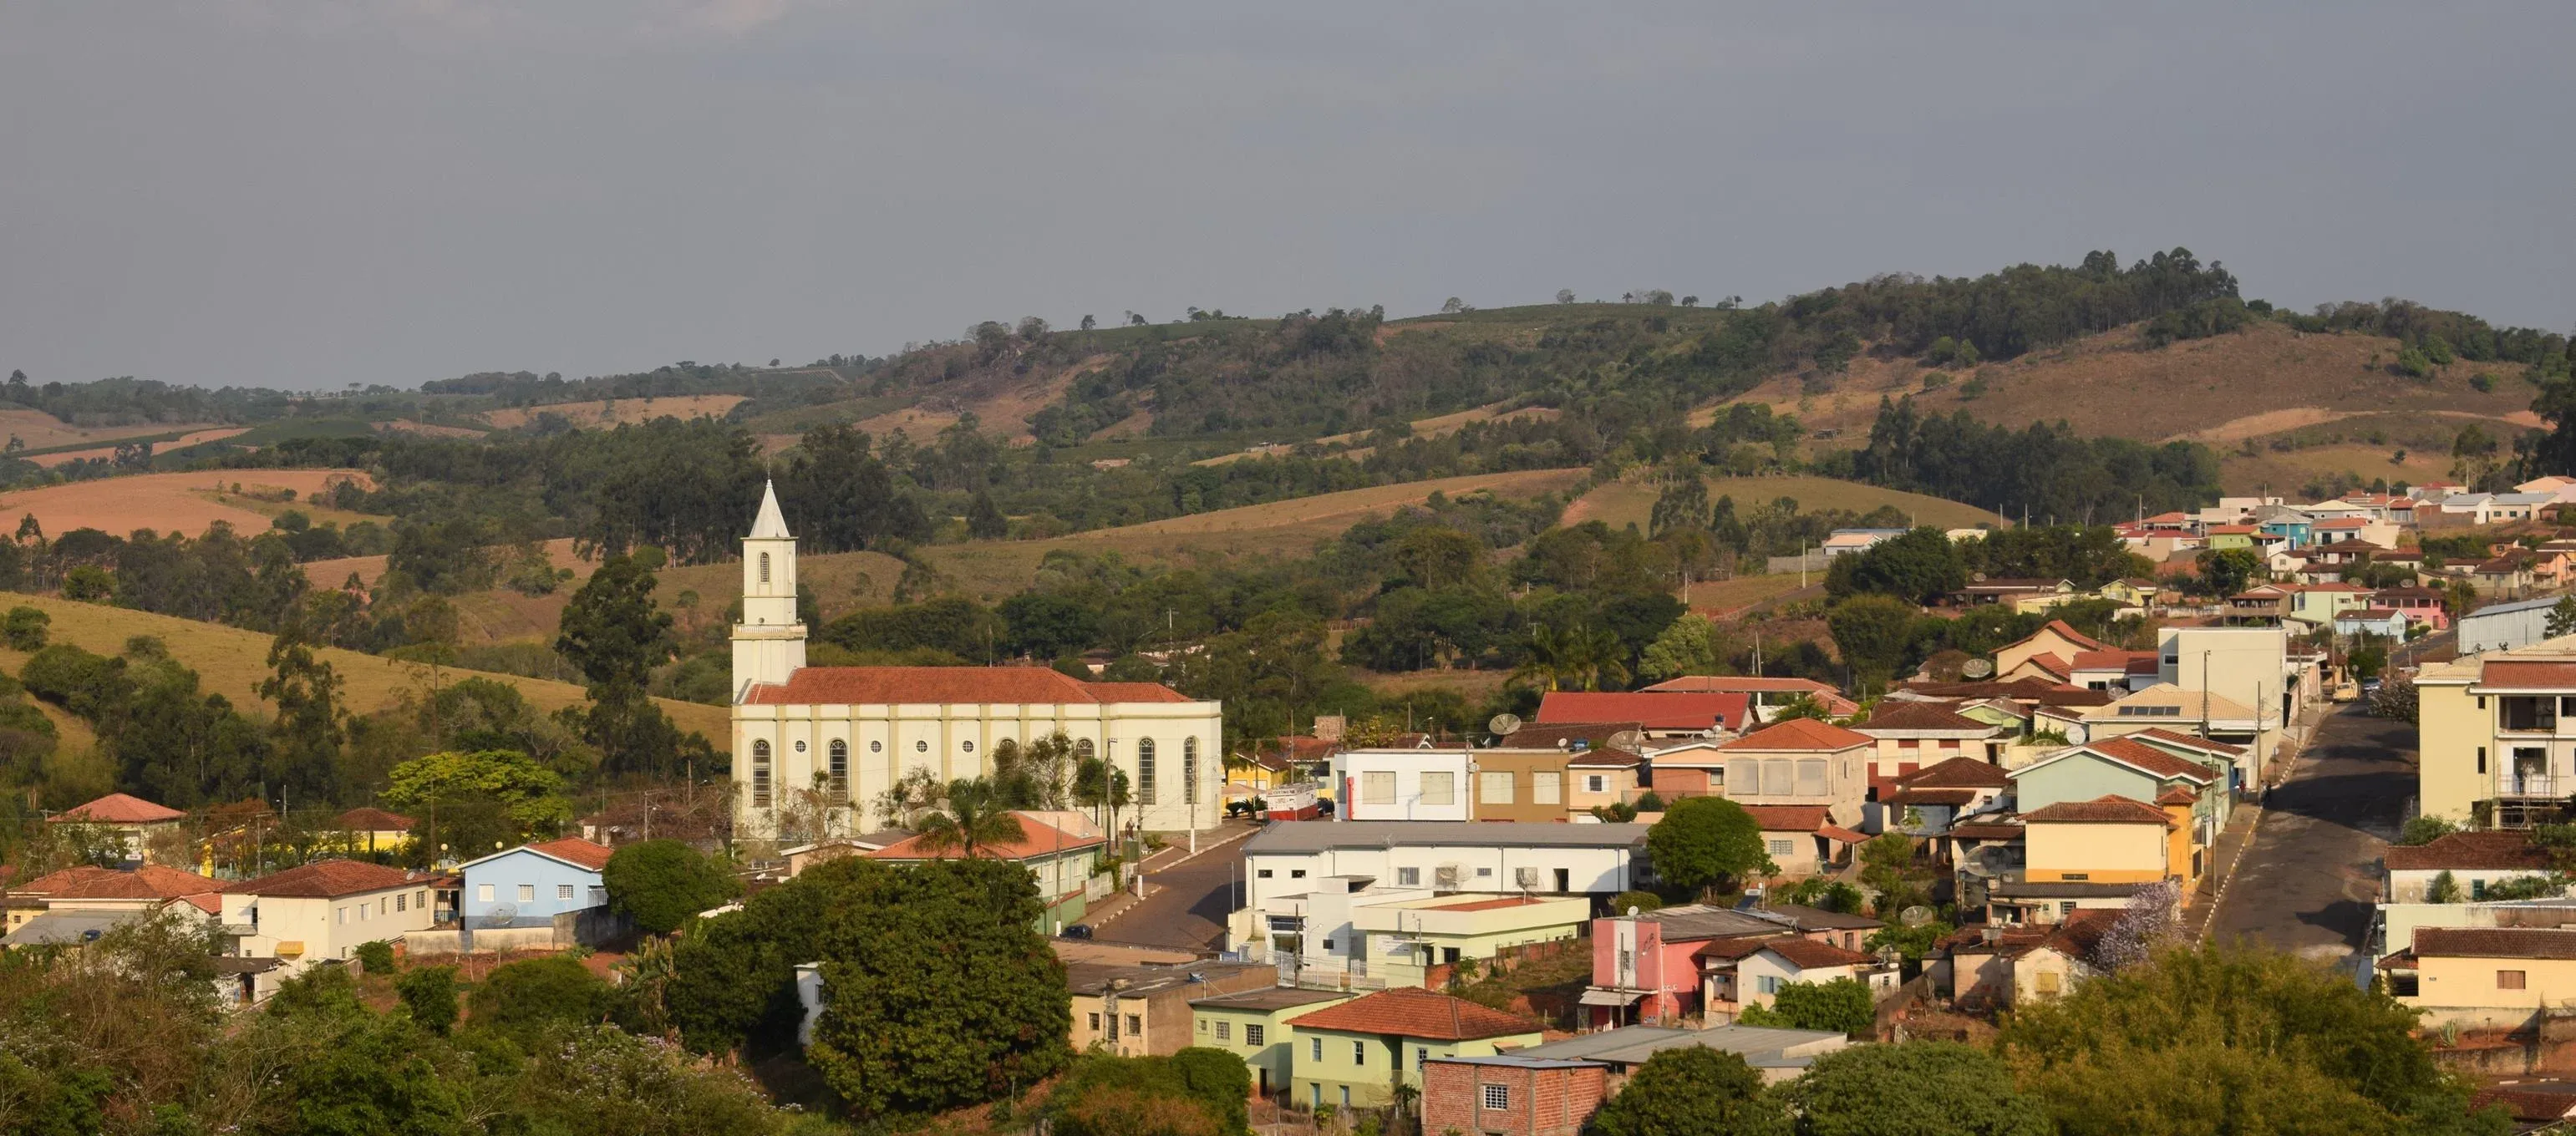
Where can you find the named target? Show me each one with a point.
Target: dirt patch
(171, 502)
(42, 431)
(604, 413)
(191, 438)
(2277, 421)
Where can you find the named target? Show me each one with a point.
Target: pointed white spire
(770, 524)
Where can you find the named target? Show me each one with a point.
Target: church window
(967, 747)
(1145, 771)
(921, 747)
(1189, 771)
(840, 771)
(764, 567)
(876, 747)
(760, 775)
(1082, 749)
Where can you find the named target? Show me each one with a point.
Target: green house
(2122, 767)
(1357, 1054)
(1258, 1026)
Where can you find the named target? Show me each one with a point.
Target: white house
(324, 909)
(1402, 784)
(814, 745)
(2505, 626)
(1289, 861)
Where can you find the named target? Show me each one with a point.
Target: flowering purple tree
(2148, 922)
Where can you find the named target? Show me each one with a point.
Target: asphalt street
(2310, 879)
(1184, 906)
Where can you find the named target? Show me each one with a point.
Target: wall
(1271, 1058)
(1417, 791)
(2450, 732)
(328, 928)
(543, 876)
(2497, 631)
(2244, 664)
(1524, 778)
(2080, 777)
(2102, 853)
(1368, 1064)
(1544, 1102)
(2470, 983)
(1489, 869)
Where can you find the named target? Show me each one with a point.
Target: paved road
(1185, 905)
(2309, 881)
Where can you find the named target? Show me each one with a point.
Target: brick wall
(1544, 1102)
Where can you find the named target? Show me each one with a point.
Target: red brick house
(1520, 1096)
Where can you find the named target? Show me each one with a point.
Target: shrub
(376, 957)
(1621, 903)
(521, 1000)
(430, 994)
(27, 628)
(662, 884)
(2426, 829)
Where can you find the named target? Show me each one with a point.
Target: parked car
(1077, 931)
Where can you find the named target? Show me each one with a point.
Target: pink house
(1647, 970)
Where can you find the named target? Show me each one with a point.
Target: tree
(1922, 1088)
(1843, 1005)
(2425, 829)
(2562, 617)
(1682, 505)
(2149, 922)
(1690, 1090)
(974, 817)
(1919, 566)
(1088, 323)
(2228, 570)
(942, 991)
(1691, 646)
(1873, 633)
(616, 636)
(1705, 841)
(26, 628)
(310, 726)
(522, 1000)
(662, 884)
(1565, 295)
(1452, 306)
(984, 520)
(2445, 888)
(520, 792)
(429, 992)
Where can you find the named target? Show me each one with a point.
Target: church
(849, 733)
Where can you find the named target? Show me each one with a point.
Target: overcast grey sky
(307, 193)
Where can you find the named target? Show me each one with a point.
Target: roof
(2520, 673)
(64, 927)
(1739, 684)
(946, 685)
(1632, 1045)
(1906, 795)
(1654, 711)
(2105, 809)
(2178, 795)
(1808, 954)
(1987, 827)
(1789, 818)
(119, 808)
(151, 881)
(1692, 921)
(1799, 734)
(1732, 947)
(2487, 851)
(1560, 735)
(1819, 919)
(2205, 745)
(1902, 715)
(588, 854)
(323, 879)
(2495, 942)
(770, 524)
(2372, 614)
(2075, 936)
(1037, 838)
(2130, 751)
(2109, 660)
(1292, 837)
(2050, 662)
(1269, 998)
(372, 819)
(1417, 1013)
(2221, 707)
(2062, 889)
(1957, 773)
(1134, 980)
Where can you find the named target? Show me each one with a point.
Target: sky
(313, 193)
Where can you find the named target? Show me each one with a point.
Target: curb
(1142, 867)
(2254, 828)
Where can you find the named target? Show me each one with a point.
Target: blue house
(531, 884)
(2295, 529)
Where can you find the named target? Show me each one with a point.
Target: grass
(1624, 503)
(2284, 473)
(1744, 591)
(231, 662)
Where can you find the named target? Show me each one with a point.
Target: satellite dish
(1629, 740)
(501, 914)
(1976, 668)
(1504, 723)
(1915, 916)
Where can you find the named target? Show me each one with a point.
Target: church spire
(770, 524)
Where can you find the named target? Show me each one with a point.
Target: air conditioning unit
(1448, 875)
(1527, 878)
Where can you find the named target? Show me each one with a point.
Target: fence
(587, 927)
(1808, 562)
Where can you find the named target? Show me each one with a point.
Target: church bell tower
(769, 643)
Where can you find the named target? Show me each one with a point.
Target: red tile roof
(1656, 711)
(1905, 714)
(2105, 809)
(943, 685)
(2110, 660)
(1739, 684)
(2204, 745)
(1800, 734)
(1957, 773)
(1789, 818)
(2527, 674)
(151, 881)
(2178, 795)
(2488, 851)
(1417, 1013)
(2151, 759)
(323, 879)
(577, 850)
(1736, 946)
(2048, 661)
(1914, 796)
(1037, 838)
(2528, 1103)
(373, 820)
(118, 808)
(1561, 735)
(2495, 942)
(1808, 954)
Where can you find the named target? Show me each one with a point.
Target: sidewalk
(2228, 852)
(1171, 856)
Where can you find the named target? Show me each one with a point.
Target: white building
(824, 742)
(1403, 784)
(1290, 861)
(2506, 626)
(323, 910)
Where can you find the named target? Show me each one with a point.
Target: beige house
(2492, 740)
(2485, 976)
(1144, 1010)
(1800, 761)
(132, 819)
(2109, 840)
(2003, 966)
(2056, 638)
(2178, 710)
(325, 909)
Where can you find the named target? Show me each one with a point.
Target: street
(2308, 882)
(1185, 905)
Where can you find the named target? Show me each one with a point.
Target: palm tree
(1543, 657)
(974, 817)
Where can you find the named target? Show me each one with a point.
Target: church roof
(770, 524)
(811, 686)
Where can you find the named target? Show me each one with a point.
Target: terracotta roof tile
(2048, 661)
(577, 850)
(1558, 735)
(119, 808)
(2151, 759)
(1913, 796)
(2489, 851)
(151, 881)
(1896, 715)
(2105, 809)
(1789, 818)
(2527, 674)
(1800, 734)
(2068, 632)
(1417, 1013)
(373, 820)
(1957, 773)
(1038, 838)
(1655, 711)
(950, 685)
(1808, 954)
(1740, 684)
(2176, 737)
(323, 879)
(2495, 942)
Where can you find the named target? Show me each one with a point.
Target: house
(1144, 1010)
(1278, 762)
(1286, 864)
(2048, 666)
(1800, 761)
(1779, 1054)
(2264, 605)
(2112, 839)
(1360, 1053)
(805, 856)
(1525, 784)
(1666, 715)
(372, 829)
(2478, 863)
(132, 820)
(2056, 637)
(2003, 966)
(1803, 840)
(1648, 967)
(1401, 934)
(2224, 537)
(1060, 848)
(2176, 710)
(2133, 591)
(1928, 801)
(2288, 525)
(1402, 784)
(2422, 607)
(1912, 735)
(1512, 1094)
(1258, 1025)
(2492, 744)
(2116, 671)
(2385, 622)
(844, 735)
(65, 906)
(2505, 626)
(2214, 754)
(2490, 977)
(1735, 973)
(2127, 768)
(2350, 553)
(1765, 694)
(324, 910)
(1844, 542)
(2251, 666)
(529, 885)
(1604, 764)
(2509, 576)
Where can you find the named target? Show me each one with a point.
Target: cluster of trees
(1924, 565)
(2045, 471)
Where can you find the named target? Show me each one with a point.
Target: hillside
(231, 662)
(180, 502)
(1630, 502)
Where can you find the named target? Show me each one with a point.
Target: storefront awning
(1597, 996)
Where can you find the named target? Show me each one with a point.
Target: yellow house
(2110, 839)
(2136, 591)
(1355, 1055)
(2055, 638)
(373, 830)
(1407, 937)
(2485, 976)
(2492, 740)
(1259, 1026)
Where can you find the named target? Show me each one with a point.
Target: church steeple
(769, 643)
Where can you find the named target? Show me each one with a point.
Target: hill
(180, 502)
(231, 662)
(1630, 501)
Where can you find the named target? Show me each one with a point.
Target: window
(764, 567)
(2477, 889)
(527, 893)
(1768, 984)
(1783, 847)
(1421, 1058)
(2508, 980)
(1408, 877)
(1252, 1034)
(1359, 1054)
(362, 912)
(1596, 783)
(483, 893)
(1145, 771)
(342, 914)
(1494, 787)
(420, 900)
(1377, 788)
(1328, 944)
(2482, 758)
(1775, 777)
(1440, 788)
(1547, 788)
(1135, 1026)
(598, 895)
(1082, 749)
(402, 903)
(1346, 1096)
(1497, 1096)
(2075, 877)
(1095, 1023)
(1189, 771)
(840, 770)
(760, 775)
(1296, 873)
(1318, 1051)
(1225, 1031)
(1262, 874)
(1811, 777)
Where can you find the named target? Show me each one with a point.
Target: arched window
(1190, 772)
(760, 775)
(1082, 750)
(840, 770)
(764, 567)
(1144, 771)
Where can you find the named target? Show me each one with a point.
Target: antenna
(1504, 724)
(1915, 916)
(1976, 669)
(1629, 740)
